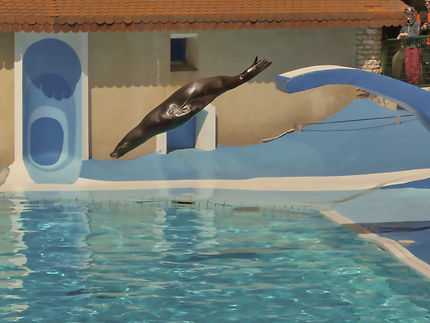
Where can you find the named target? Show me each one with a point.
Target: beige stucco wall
(129, 74)
(125, 71)
(6, 98)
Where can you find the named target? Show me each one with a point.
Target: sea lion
(183, 104)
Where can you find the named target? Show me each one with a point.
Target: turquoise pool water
(148, 262)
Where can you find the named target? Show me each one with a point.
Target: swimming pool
(77, 261)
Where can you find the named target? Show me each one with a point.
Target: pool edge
(389, 245)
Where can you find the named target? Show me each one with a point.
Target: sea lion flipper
(256, 68)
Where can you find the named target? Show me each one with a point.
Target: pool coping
(389, 245)
(16, 179)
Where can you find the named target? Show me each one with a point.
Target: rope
(343, 121)
(356, 120)
(355, 129)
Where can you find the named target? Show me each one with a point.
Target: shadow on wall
(129, 74)
(6, 51)
(7, 98)
(143, 58)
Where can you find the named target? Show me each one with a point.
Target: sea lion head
(118, 152)
(123, 147)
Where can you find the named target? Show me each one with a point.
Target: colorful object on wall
(412, 98)
(52, 112)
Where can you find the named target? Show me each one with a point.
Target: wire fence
(393, 58)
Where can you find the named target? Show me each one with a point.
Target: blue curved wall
(52, 112)
(411, 97)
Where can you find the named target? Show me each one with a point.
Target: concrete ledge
(397, 250)
(391, 246)
(299, 184)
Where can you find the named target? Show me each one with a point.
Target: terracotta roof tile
(104, 15)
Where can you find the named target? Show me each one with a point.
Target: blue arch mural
(412, 98)
(52, 112)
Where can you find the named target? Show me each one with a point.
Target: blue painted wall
(52, 112)
(363, 138)
(330, 148)
(46, 141)
(182, 137)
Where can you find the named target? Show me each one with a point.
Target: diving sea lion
(182, 105)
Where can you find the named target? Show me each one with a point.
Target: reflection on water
(77, 262)
(12, 262)
(49, 244)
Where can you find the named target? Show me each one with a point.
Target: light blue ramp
(52, 112)
(410, 97)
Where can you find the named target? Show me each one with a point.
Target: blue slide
(410, 97)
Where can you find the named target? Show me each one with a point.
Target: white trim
(85, 97)
(161, 145)
(177, 36)
(310, 69)
(19, 52)
(18, 174)
(293, 184)
(206, 128)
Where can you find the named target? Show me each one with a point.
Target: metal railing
(393, 63)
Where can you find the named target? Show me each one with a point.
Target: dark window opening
(182, 54)
(178, 49)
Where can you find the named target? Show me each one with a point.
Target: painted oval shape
(46, 141)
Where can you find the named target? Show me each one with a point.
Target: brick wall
(368, 49)
(368, 43)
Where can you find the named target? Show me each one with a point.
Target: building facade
(129, 67)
